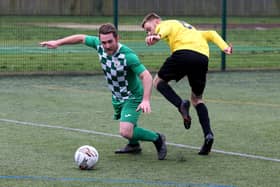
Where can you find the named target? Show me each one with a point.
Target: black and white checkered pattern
(115, 71)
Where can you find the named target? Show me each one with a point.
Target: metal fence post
(224, 28)
(115, 13)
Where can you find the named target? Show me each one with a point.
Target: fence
(255, 39)
(136, 7)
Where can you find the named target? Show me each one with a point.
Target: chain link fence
(254, 35)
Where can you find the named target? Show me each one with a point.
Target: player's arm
(147, 82)
(160, 32)
(214, 37)
(229, 49)
(73, 39)
(152, 39)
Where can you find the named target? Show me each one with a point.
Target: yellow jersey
(181, 35)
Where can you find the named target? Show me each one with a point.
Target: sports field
(44, 119)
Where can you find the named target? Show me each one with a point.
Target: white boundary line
(113, 135)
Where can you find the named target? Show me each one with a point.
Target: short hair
(149, 17)
(108, 28)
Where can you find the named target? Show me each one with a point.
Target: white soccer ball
(86, 157)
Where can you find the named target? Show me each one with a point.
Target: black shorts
(188, 63)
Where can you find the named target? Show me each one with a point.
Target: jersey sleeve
(92, 41)
(213, 36)
(135, 64)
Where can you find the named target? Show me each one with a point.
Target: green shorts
(126, 111)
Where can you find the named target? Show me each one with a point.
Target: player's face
(150, 27)
(109, 43)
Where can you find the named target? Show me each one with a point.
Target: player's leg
(125, 130)
(167, 91)
(204, 120)
(173, 69)
(183, 106)
(130, 130)
(197, 80)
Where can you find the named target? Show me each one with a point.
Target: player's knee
(195, 100)
(157, 81)
(161, 85)
(155, 84)
(126, 131)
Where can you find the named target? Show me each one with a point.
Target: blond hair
(149, 17)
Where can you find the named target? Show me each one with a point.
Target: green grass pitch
(44, 119)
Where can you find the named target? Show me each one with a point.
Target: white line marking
(113, 135)
(57, 127)
(228, 152)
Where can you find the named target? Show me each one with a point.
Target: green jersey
(121, 70)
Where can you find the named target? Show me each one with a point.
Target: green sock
(144, 134)
(133, 141)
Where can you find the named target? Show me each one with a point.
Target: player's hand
(152, 39)
(50, 44)
(228, 50)
(144, 106)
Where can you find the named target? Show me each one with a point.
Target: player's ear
(157, 21)
(118, 38)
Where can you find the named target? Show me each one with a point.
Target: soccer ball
(86, 157)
